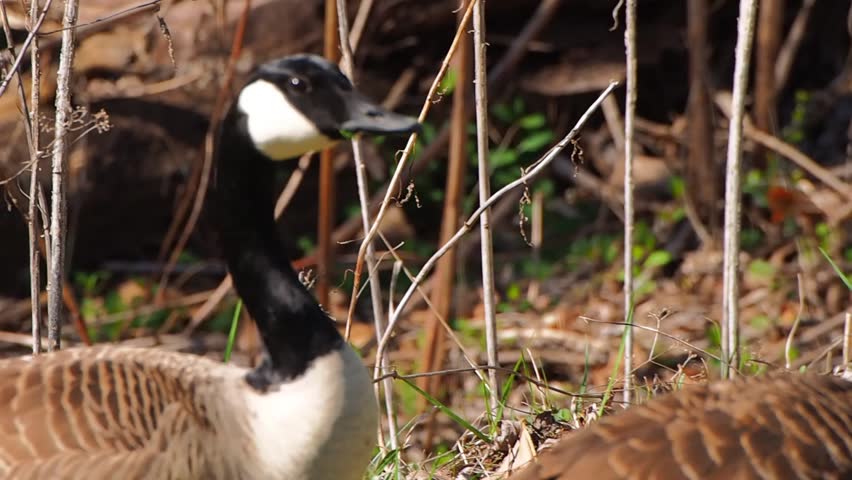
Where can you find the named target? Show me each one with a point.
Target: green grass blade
(232, 334)
(448, 412)
(846, 279)
(617, 366)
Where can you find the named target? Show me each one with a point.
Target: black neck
(293, 327)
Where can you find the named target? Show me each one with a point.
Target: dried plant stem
(31, 127)
(364, 198)
(527, 176)
(360, 22)
(26, 45)
(434, 351)
(629, 145)
(32, 216)
(198, 193)
(847, 343)
(327, 192)
(791, 44)
(484, 170)
(58, 204)
(730, 268)
(406, 155)
(496, 79)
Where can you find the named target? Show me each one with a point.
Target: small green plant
(845, 278)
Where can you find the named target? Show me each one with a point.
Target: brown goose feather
(113, 412)
(773, 427)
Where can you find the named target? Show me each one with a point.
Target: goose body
(775, 427)
(306, 412)
(89, 413)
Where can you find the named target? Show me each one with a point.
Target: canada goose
(780, 426)
(306, 412)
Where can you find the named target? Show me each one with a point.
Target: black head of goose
(306, 412)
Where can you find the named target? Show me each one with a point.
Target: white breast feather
(276, 127)
(321, 425)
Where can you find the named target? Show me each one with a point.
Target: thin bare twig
(327, 193)
(35, 187)
(32, 144)
(58, 208)
(20, 57)
(478, 368)
(360, 22)
(791, 45)
(528, 175)
(209, 141)
(434, 350)
(364, 198)
(733, 188)
(406, 154)
(847, 343)
(484, 181)
(629, 145)
(826, 176)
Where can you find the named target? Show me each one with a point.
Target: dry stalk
(733, 189)
(528, 175)
(363, 198)
(484, 171)
(629, 145)
(30, 120)
(59, 205)
(203, 176)
(406, 154)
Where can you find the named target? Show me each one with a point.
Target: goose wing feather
(107, 411)
(774, 427)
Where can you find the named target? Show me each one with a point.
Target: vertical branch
(847, 343)
(198, 193)
(730, 268)
(434, 351)
(770, 21)
(701, 173)
(32, 214)
(629, 119)
(364, 198)
(481, 98)
(58, 201)
(325, 222)
(402, 164)
(792, 42)
(32, 142)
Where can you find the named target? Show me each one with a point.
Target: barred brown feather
(113, 412)
(773, 427)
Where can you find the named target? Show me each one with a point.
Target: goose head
(303, 103)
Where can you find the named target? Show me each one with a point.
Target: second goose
(306, 412)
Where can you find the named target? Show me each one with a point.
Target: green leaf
(536, 142)
(502, 157)
(762, 269)
(502, 112)
(513, 293)
(658, 258)
(518, 106)
(448, 83)
(564, 415)
(533, 121)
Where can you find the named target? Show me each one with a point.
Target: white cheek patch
(276, 127)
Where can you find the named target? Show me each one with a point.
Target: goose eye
(298, 85)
